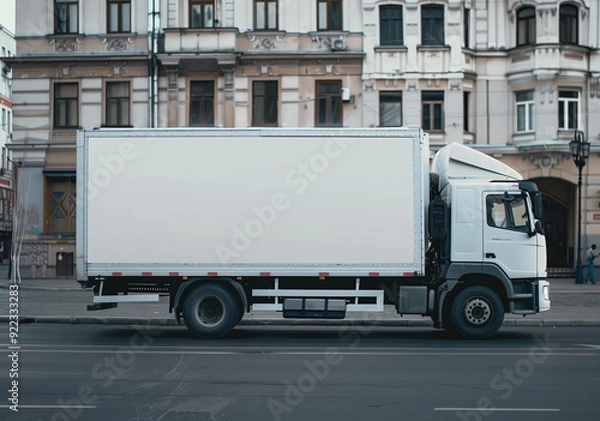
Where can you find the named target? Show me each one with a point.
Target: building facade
(79, 65)
(514, 78)
(7, 49)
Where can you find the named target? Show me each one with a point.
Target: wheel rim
(477, 311)
(210, 311)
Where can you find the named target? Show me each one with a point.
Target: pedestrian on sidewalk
(591, 255)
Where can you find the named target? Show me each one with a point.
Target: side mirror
(507, 198)
(539, 227)
(538, 208)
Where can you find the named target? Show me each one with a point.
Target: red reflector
(146, 273)
(265, 274)
(117, 273)
(409, 273)
(213, 273)
(173, 273)
(323, 273)
(373, 273)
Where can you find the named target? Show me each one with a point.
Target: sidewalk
(64, 301)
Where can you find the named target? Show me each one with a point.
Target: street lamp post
(580, 151)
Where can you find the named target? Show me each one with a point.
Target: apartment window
(117, 104)
(526, 26)
(3, 52)
(66, 16)
(8, 122)
(119, 16)
(61, 204)
(390, 109)
(569, 27)
(390, 25)
(329, 104)
(66, 105)
(467, 28)
(4, 125)
(265, 14)
(568, 109)
(202, 14)
(433, 110)
(432, 25)
(466, 111)
(329, 15)
(525, 114)
(264, 103)
(202, 100)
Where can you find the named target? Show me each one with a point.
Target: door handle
(490, 255)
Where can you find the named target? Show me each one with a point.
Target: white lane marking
(590, 346)
(580, 353)
(489, 409)
(64, 373)
(52, 406)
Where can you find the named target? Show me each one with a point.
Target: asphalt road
(91, 372)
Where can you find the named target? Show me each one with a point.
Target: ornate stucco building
(514, 78)
(7, 49)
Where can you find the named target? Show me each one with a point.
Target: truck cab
(500, 246)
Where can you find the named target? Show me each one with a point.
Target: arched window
(526, 26)
(569, 27)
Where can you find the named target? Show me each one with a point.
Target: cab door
(507, 242)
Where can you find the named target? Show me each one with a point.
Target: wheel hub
(211, 311)
(477, 311)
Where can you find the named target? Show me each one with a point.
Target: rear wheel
(210, 311)
(476, 313)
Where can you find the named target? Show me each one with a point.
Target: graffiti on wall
(35, 256)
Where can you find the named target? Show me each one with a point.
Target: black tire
(210, 311)
(476, 313)
(240, 317)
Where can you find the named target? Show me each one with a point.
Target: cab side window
(507, 211)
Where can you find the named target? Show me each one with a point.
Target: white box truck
(313, 223)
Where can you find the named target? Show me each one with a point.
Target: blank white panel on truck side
(246, 202)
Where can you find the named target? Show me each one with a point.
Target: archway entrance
(559, 199)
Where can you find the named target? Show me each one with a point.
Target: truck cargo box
(234, 202)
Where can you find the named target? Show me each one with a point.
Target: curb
(119, 321)
(31, 288)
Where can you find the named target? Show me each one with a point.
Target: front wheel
(210, 311)
(476, 313)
